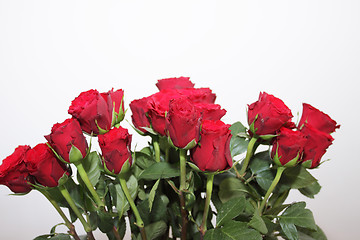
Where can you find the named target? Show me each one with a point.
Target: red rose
(317, 119)
(158, 106)
(93, 111)
(44, 166)
(198, 95)
(115, 147)
(174, 83)
(117, 104)
(213, 152)
(271, 114)
(64, 136)
(183, 123)
(139, 109)
(288, 147)
(210, 111)
(316, 144)
(13, 171)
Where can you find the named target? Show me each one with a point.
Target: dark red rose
(44, 166)
(198, 95)
(65, 135)
(271, 114)
(117, 104)
(316, 144)
(14, 173)
(174, 83)
(139, 109)
(213, 152)
(210, 111)
(93, 111)
(183, 122)
(317, 119)
(288, 147)
(158, 106)
(115, 147)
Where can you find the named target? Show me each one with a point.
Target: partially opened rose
(270, 113)
(210, 111)
(213, 151)
(14, 173)
(44, 166)
(139, 109)
(174, 83)
(115, 147)
(198, 95)
(183, 123)
(67, 135)
(117, 104)
(93, 111)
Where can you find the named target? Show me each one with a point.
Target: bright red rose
(64, 136)
(174, 83)
(271, 114)
(183, 122)
(14, 173)
(44, 166)
(210, 111)
(115, 147)
(139, 109)
(317, 119)
(288, 147)
(158, 106)
(316, 144)
(213, 152)
(117, 104)
(93, 111)
(198, 95)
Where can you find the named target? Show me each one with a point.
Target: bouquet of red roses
(194, 159)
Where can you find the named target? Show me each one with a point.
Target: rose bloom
(198, 95)
(317, 119)
(210, 111)
(115, 147)
(139, 109)
(93, 110)
(271, 114)
(213, 151)
(183, 122)
(65, 135)
(117, 103)
(14, 173)
(288, 146)
(174, 83)
(44, 166)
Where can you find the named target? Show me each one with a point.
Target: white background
(300, 51)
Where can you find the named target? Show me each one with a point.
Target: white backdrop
(300, 51)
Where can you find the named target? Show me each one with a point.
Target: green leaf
(105, 222)
(143, 160)
(311, 190)
(155, 230)
(92, 167)
(260, 162)
(230, 210)
(306, 234)
(238, 145)
(53, 229)
(234, 230)
(214, 234)
(290, 230)
(61, 236)
(265, 178)
(43, 237)
(152, 194)
(298, 215)
(258, 223)
(232, 188)
(237, 128)
(160, 170)
(297, 177)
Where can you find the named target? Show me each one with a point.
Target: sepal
(75, 155)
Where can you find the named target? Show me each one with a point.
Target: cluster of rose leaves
(188, 117)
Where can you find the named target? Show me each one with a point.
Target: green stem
(73, 206)
(209, 187)
(156, 148)
(279, 171)
(182, 169)
(249, 153)
(88, 184)
(167, 152)
(182, 155)
(139, 222)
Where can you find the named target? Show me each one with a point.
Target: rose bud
(183, 123)
(14, 173)
(210, 111)
(117, 104)
(288, 147)
(198, 95)
(68, 141)
(315, 147)
(268, 114)
(139, 109)
(317, 119)
(115, 147)
(158, 106)
(44, 166)
(213, 152)
(174, 83)
(93, 111)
